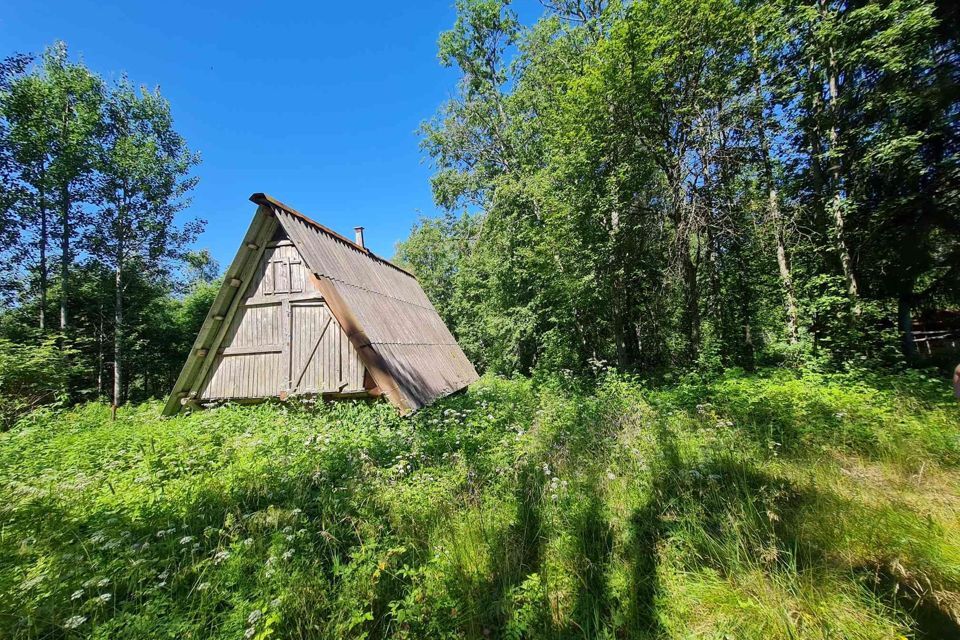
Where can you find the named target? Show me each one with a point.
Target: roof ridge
(265, 199)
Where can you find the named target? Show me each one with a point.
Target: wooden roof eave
(235, 281)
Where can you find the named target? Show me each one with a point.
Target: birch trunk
(43, 254)
(118, 335)
(775, 215)
(64, 254)
(838, 200)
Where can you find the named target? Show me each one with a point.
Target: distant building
(304, 311)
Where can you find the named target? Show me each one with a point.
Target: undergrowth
(777, 505)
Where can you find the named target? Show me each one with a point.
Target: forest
(705, 255)
(103, 295)
(658, 185)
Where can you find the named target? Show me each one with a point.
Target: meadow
(771, 505)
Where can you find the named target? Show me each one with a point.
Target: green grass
(771, 506)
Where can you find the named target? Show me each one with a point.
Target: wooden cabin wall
(283, 339)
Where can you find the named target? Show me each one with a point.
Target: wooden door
(322, 360)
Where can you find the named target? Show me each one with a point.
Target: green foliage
(712, 184)
(96, 172)
(31, 375)
(771, 506)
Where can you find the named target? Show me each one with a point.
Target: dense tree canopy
(652, 184)
(91, 176)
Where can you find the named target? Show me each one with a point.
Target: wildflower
(275, 603)
(611, 475)
(74, 621)
(186, 539)
(248, 542)
(203, 586)
(104, 598)
(220, 556)
(103, 582)
(288, 554)
(76, 595)
(254, 616)
(250, 632)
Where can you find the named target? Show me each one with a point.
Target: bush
(31, 376)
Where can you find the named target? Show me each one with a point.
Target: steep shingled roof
(406, 347)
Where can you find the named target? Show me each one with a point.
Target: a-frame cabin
(304, 311)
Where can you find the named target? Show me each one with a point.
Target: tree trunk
(905, 324)
(43, 255)
(64, 253)
(100, 337)
(774, 213)
(786, 277)
(692, 297)
(838, 201)
(118, 337)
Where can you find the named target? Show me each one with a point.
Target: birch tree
(144, 178)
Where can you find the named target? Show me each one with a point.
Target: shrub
(31, 375)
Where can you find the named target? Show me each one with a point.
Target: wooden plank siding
(282, 339)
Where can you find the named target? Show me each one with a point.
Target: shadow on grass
(594, 547)
(734, 518)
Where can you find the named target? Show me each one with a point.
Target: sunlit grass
(769, 506)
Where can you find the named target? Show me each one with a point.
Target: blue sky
(315, 103)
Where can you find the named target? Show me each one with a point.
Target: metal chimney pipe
(359, 232)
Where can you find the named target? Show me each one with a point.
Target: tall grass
(771, 506)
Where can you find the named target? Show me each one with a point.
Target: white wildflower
(103, 582)
(611, 475)
(186, 539)
(254, 616)
(203, 586)
(220, 556)
(104, 598)
(74, 621)
(76, 595)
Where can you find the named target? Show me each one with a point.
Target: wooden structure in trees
(303, 311)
